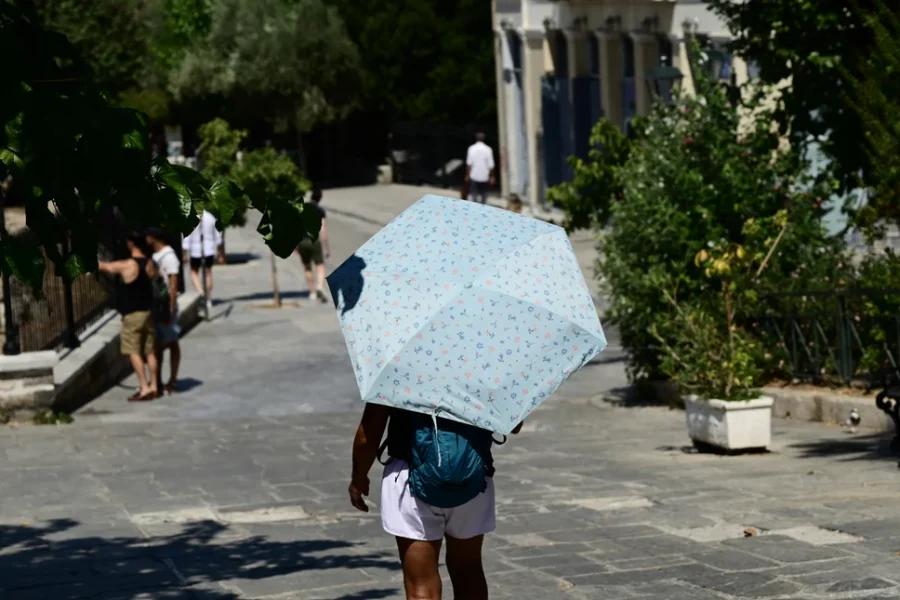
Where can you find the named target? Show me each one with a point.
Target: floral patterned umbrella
(465, 311)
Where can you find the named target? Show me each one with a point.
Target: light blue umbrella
(465, 311)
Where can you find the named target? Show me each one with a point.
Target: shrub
(708, 175)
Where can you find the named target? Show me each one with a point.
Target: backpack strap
(381, 451)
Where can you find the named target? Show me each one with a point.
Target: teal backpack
(449, 462)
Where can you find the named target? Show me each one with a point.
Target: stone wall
(26, 381)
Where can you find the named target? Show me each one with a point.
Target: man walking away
(136, 305)
(479, 168)
(421, 527)
(166, 296)
(313, 253)
(202, 246)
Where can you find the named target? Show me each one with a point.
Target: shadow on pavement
(267, 296)
(51, 561)
(640, 395)
(240, 258)
(871, 446)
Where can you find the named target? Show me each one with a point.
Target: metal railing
(845, 334)
(64, 310)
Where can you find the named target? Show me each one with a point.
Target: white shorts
(404, 515)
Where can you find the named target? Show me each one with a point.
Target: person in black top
(136, 306)
(315, 252)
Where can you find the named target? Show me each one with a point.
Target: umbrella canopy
(466, 311)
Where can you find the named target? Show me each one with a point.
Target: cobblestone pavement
(235, 489)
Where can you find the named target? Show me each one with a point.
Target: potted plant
(710, 354)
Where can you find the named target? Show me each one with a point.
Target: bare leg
(209, 283)
(195, 279)
(175, 359)
(420, 569)
(153, 366)
(320, 278)
(465, 568)
(310, 280)
(159, 361)
(137, 363)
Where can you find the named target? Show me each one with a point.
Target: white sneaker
(312, 298)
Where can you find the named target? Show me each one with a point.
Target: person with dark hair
(314, 252)
(136, 306)
(168, 267)
(479, 168)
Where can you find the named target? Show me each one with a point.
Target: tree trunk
(276, 291)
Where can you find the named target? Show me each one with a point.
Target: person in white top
(479, 168)
(202, 246)
(168, 268)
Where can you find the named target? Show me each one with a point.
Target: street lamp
(662, 81)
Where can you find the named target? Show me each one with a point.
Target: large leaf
(283, 226)
(227, 199)
(190, 186)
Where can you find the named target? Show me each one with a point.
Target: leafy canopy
(816, 45)
(287, 61)
(75, 157)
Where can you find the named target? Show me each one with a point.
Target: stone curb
(83, 373)
(825, 407)
(813, 406)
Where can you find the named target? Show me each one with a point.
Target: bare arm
(323, 235)
(173, 293)
(365, 451)
(117, 267)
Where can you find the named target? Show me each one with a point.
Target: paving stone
(688, 573)
(749, 585)
(564, 549)
(784, 549)
(861, 585)
(562, 566)
(728, 559)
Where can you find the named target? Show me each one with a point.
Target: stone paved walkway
(235, 489)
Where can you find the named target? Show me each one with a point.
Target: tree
(111, 35)
(873, 94)
(267, 175)
(810, 43)
(587, 198)
(287, 61)
(76, 157)
(708, 176)
(425, 60)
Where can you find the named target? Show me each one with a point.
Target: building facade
(564, 64)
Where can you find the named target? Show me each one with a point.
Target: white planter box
(743, 425)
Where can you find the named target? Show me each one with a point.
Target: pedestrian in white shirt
(202, 246)
(479, 169)
(168, 268)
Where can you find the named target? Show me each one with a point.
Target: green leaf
(190, 186)
(282, 226)
(312, 222)
(23, 261)
(227, 200)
